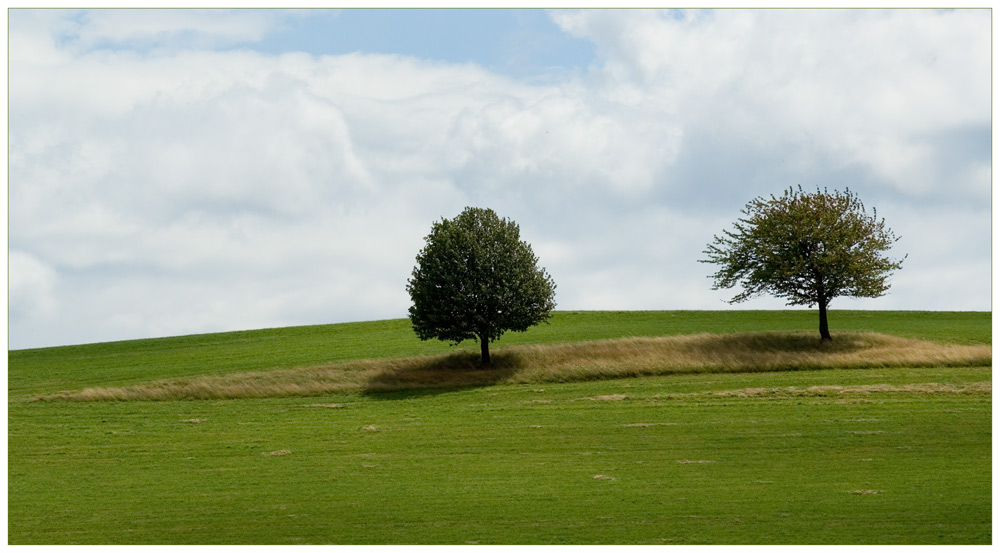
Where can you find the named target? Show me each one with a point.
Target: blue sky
(521, 43)
(184, 171)
(515, 42)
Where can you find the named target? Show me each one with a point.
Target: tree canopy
(476, 279)
(806, 247)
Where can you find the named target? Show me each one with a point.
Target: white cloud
(30, 287)
(172, 190)
(866, 85)
(167, 28)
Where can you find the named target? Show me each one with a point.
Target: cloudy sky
(176, 172)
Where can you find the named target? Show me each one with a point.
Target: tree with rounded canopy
(808, 248)
(476, 279)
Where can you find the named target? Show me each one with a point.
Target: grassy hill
(890, 455)
(49, 370)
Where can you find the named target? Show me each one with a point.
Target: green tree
(807, 248)
(475, 279)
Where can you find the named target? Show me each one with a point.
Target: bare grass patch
(610, 397)
(278, 453)
(864, 389)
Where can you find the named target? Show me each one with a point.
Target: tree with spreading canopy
(806, 247)
(476, 279)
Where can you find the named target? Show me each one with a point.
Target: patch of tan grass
(923, 388)
(612, 397)
(578, 361)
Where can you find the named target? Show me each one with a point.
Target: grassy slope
(564, 362)
(51, 370)
(654, 460)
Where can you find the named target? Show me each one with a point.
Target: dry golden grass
(924, 388)
(279, 452)
(578, 361)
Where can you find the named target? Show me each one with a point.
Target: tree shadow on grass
(631, 357)
(783, 342)
(434, 375)
(423, 376)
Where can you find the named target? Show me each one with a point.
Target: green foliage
(476, 279)
(807, 248)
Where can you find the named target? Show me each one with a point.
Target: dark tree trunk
(824, 327)
(484, 346)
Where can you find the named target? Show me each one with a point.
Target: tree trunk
(824, 327)
(484, 346)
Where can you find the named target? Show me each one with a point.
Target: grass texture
(877, 456)
(886, 450)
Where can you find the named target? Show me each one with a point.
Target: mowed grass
(683, 459)
(864, 455)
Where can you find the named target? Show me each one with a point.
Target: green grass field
(836, 456)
